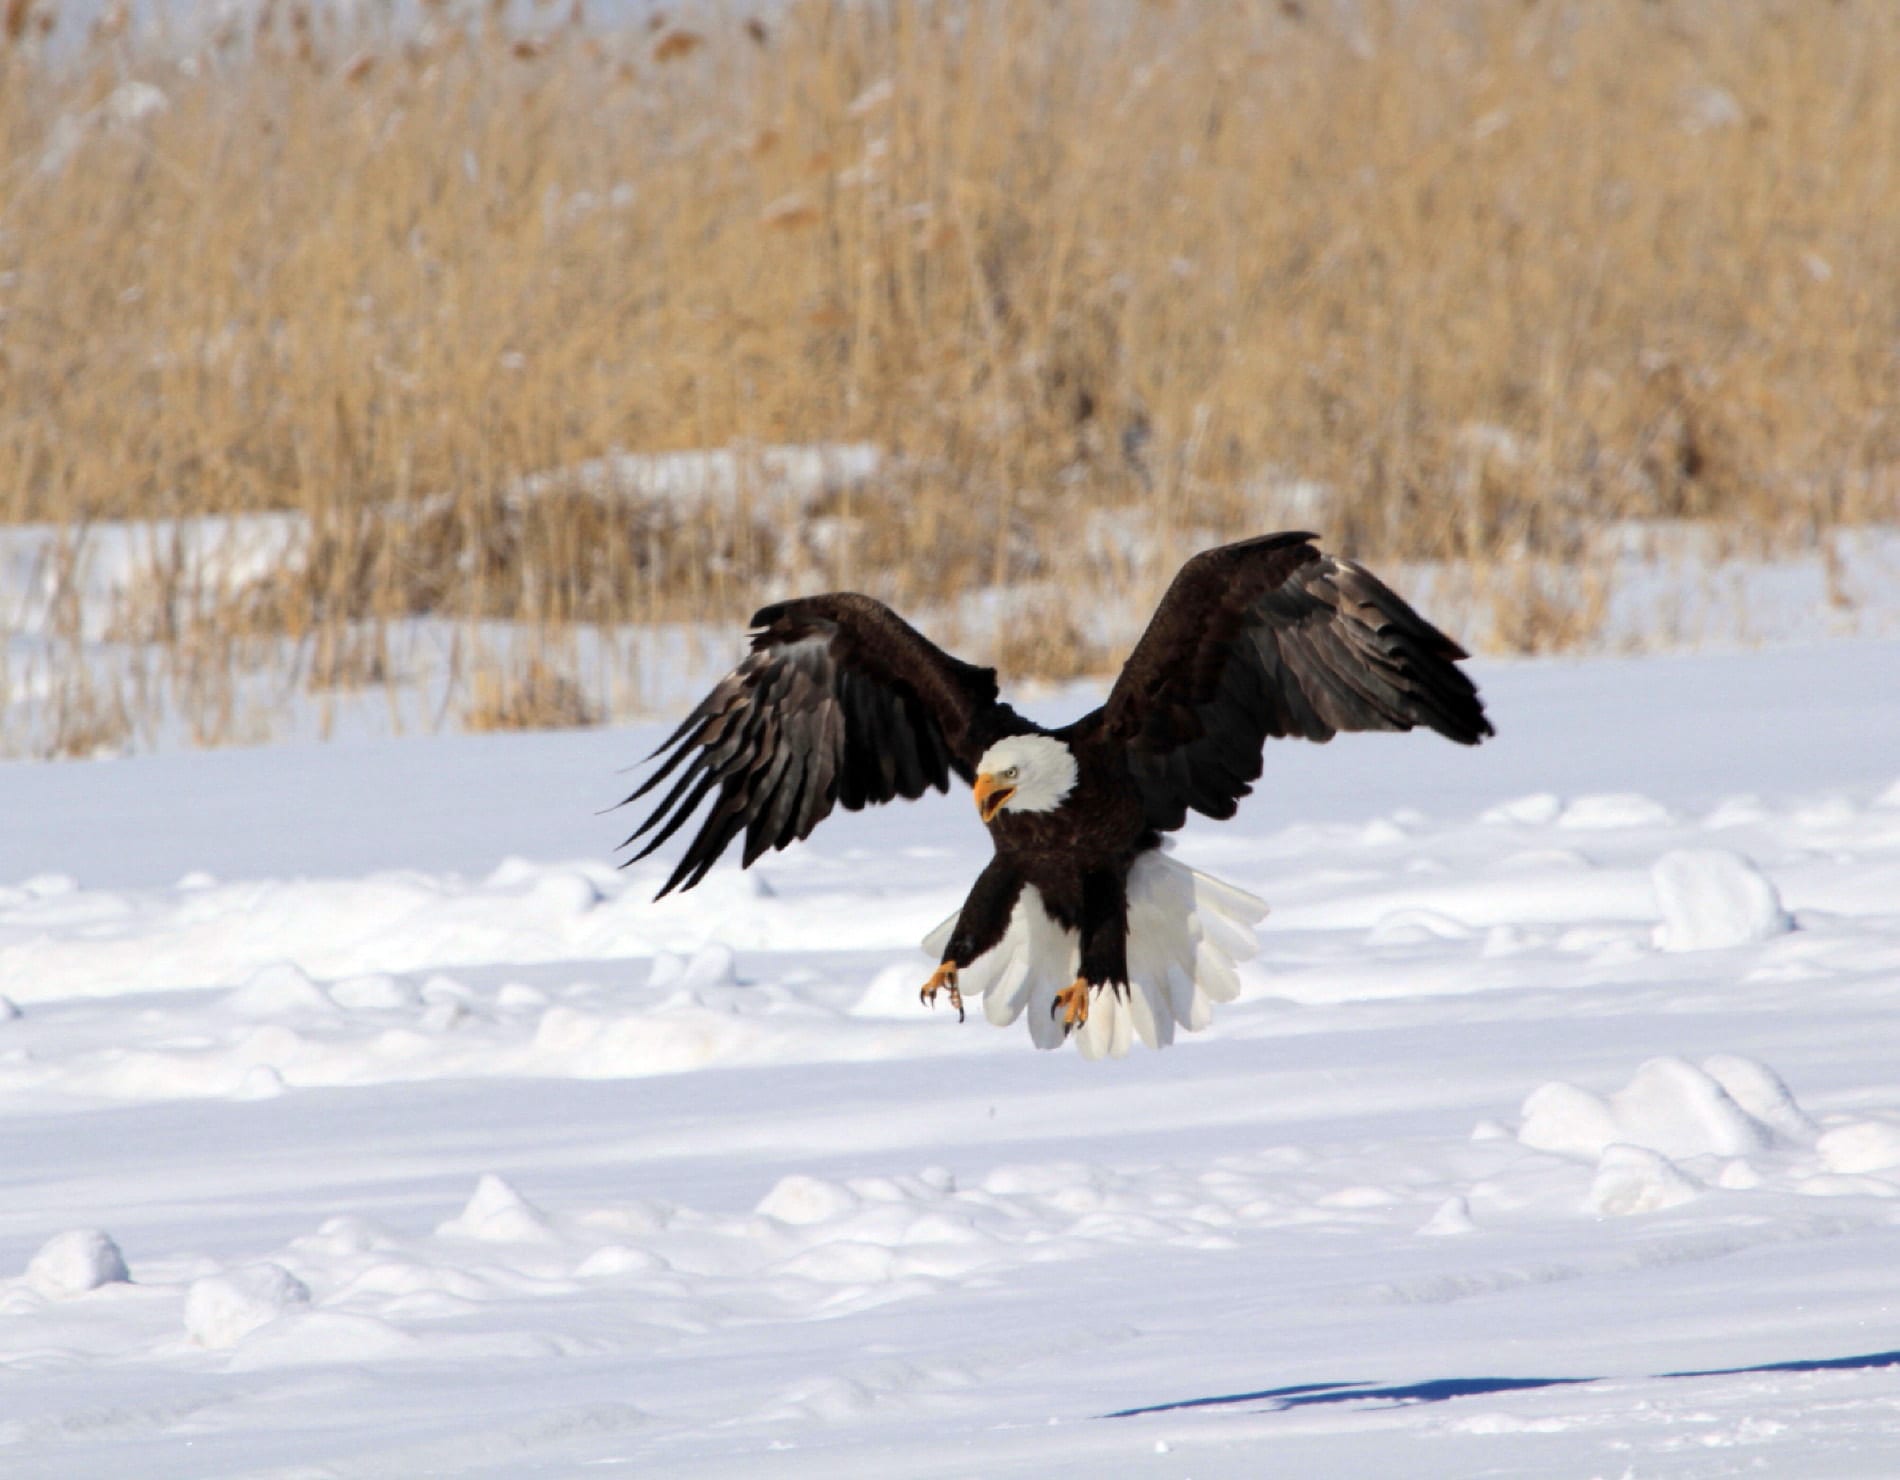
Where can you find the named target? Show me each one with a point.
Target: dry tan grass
(345, 658)
(1045, 640)
(85, 718)
(1537, 606)
(533, 695)
(1490, 272)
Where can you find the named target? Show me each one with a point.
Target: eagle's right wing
(839, 701)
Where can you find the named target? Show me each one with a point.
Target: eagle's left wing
(1272, 637)
(839, 701)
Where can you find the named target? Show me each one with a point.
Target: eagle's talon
(943, 979)
(1072, 1004)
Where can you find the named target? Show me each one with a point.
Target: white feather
(1186, 934)
(1003, 1000)
(1214, 974)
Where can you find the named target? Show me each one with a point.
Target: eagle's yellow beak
(990, 796)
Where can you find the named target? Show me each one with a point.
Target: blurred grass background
(1447, 282)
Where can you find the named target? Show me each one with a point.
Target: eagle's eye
(1010, 774)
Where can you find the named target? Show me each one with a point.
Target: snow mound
(8, 1010)
(279, 990)
(1845, 1184)
(222, 1309)
(617, 1259)
(1669, 1107)
(1452, 1218)
(1614, 809)
(298, 1337)
(1736, 811)
(498, 1214)
(1861, 1146)
(893, 994)
(1760, 1091)
(260, 1082)
(1634, 1179)
(372, 992)
(74, 1262)
(1416, 927)
(712, 965)
(563, 892)
(1535, 810)
(1712, 899)
(800, 1200)
(1738, 1175)
(830, 1400)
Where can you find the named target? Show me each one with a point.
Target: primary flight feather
(1079, 917)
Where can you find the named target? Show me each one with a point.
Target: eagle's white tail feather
(1215, 974)
(1192, 1010)
(1003, 998)
(1232, 937)
(1144, 1014)
(1055, 960)
(1225, 904)
(1186, 934)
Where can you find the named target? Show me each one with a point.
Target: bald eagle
(1079, 917)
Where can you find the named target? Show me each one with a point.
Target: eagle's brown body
(842, 702)
(1077, 859)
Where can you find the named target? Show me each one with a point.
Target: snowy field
(360, 1120)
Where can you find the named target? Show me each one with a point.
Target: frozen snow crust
(1560, 1060)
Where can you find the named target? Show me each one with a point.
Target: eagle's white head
(1025, 773)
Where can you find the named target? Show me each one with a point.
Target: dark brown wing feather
(1270, 637)
(839, 701)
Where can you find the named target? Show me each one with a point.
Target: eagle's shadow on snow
(1444, 1389)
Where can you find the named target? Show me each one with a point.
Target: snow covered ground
(359, 1119)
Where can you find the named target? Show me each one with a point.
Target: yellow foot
(1072, 1005)
(943, 979)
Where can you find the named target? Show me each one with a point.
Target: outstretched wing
(839, 701)
(1270, 637)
